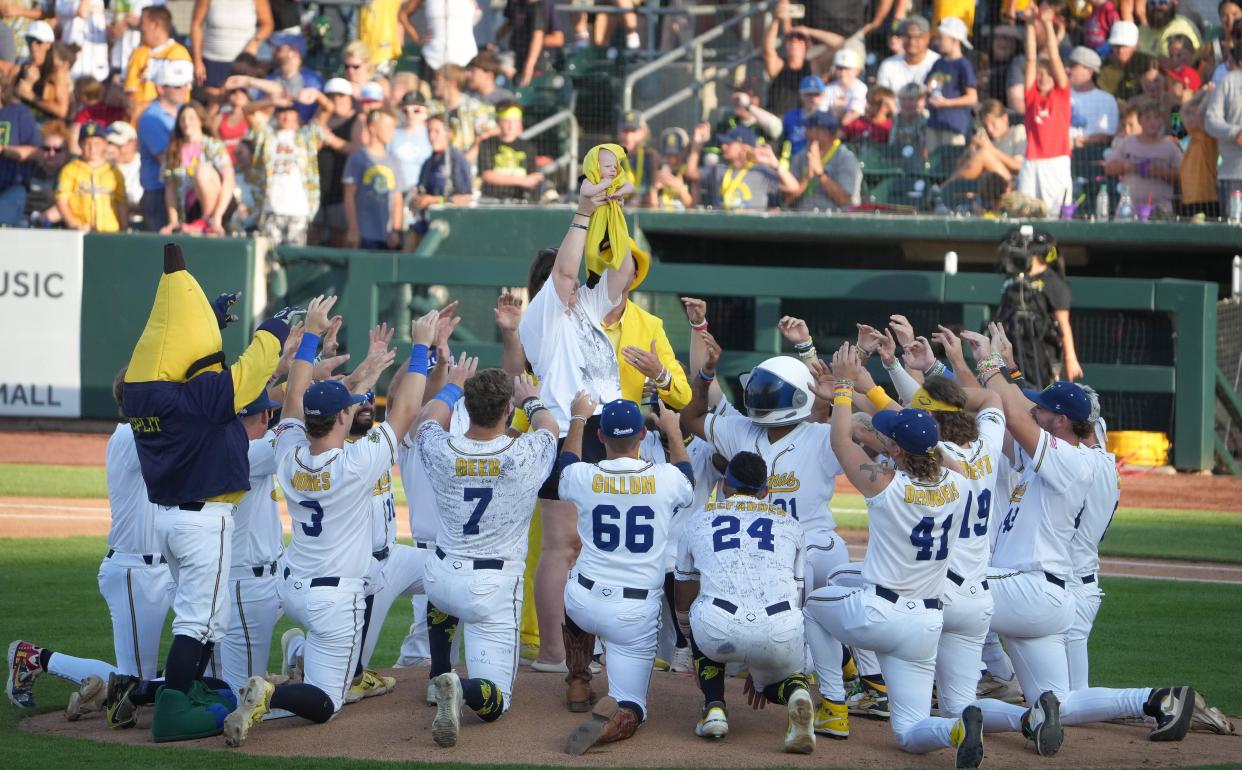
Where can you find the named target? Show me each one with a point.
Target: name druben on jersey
(312, 482)
(623, 485)
(935, 497)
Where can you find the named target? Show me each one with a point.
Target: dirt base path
(398, 727)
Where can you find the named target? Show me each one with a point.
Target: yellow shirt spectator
(143, 66)
(379, 29)
(962, 9)
(1155, 42)
(93, 194)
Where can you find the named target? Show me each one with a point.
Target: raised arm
(579, 412)
(1032, 54)
(952, 345)
(569, 255)
(440, 408)
(694, 415)
(1017, 408)
(868, 477)
(696, 313)
(526, 396)
(1047, 17)
(508, 314)
(405, 405)
(304, 361)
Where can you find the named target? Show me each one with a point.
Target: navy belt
(196, 506)
(418, 544)
(628, 593)
(381, 554)
(771, 609)
(260, 571)
(958, 579)
(478, 563)
(147, 557)
(319, 582)
(1056, 581)
(893, 596)
(1088, 579)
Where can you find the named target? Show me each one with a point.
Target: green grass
(1148, 632)
(18, 480)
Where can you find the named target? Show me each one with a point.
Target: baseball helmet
(778, 392)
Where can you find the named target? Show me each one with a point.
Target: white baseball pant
(959, 656)
(1087, 599)
(824, 552)
(770, 646)
(488, 604)
(139, 590)
(198, 546)
(401, 574)
(629, 629)
(850, 574)
(331, 615)
(1033, 613)
(903, 634)
(244, 650)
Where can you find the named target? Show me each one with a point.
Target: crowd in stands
(111, 120)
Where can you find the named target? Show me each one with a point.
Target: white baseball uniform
(802, 476)
(257, 543)
(133, 578)
(1090, 526)
(329, 557)
(485, 492)
(1033, 609)
(967, 600)
(895, 609)
(750, 585)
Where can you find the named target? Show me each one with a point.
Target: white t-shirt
(133, 182)
(568, 349)
(133, 514)
(256, 519)
(752, 556)
(424, 512)
(330, 499)
(90, 35)
(123, 48)
(450, 33)
(1103, 497)
(802, 469)
(485, 490)
(706, 477)
(1097, 108)
(286, 190)
(912, 526)
(625, 509)
(840, 100)
(1037, 528)
(896, 72)
(981, 461)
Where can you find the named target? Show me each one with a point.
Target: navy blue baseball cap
(811, 85)
(914, 430)
(741, 134)
(1064, 398)
(824, 120)
(260, 404)
(328, 397)
(621, 419)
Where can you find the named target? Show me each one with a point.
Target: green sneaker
(202, 695)
(177, 718)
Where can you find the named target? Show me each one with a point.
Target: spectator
(8, 53)
(220, 30)
(786, 67)
(19, 16)
(123, 23)
(748, 176)
(1120, 76)
(123, 153)
(847, 18)
(632, 135)
(410, 144)
(961, 9)
(481, 79)
(507, 161)
(20, 146)
(1046, 172)
(372, 187)
(910, 125)
(450, 31)
(198, 176)
(845, 96)
(993, 80)
(342, 118)
(745, 111)
(39, 39)
(86, 28)
(1128, 124)
(793, 124)
(470, 120)
(1163, 21)
(45, 174)
(1229, 11)
(1149, 165)
(380, 30)
(1198, 172)
(230, 121)
(1180, 85)
(1017, 66)
(91, 194)
(1096, 30)
(157, 52)
(48, 90)
(916, 60)
(671, 190)
(155, 127)
(294, 79)
(826, 175)
(286, 169)
(445, 177)
(1223, 121)
(877, 122)
(533, 26)
(951, 87)
(1182, 52)
(96, 102)
(997, 148)
(287, 25)
(1093, 118)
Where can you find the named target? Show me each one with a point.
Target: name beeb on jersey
(623, 485)
(474, 466)
(935, 498)
(312, 482)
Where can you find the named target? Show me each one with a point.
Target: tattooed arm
(868, 477)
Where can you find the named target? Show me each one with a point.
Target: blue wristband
(449, 394)
(418, 360)
(307, 348)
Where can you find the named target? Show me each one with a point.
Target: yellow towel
(607, 221)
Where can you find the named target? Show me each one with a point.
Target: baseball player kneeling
(625, 506)
(738, 594)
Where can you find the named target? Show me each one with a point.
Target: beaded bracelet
(700, 327)
(936, 368)
(705, 377)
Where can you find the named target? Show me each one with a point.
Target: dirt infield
(398, 727)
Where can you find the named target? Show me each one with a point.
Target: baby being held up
(609, 168)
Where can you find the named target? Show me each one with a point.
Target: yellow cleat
(833, 720)
(371, 685)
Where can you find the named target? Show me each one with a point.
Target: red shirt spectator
(1047, 122)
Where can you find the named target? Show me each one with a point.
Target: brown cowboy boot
(609, 722)
(578, 648)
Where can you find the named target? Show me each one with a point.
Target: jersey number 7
(483, 496)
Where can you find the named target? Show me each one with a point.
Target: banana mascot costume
(182, 402)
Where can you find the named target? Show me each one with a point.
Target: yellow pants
(530, 622)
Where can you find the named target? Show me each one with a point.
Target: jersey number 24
(725, 533)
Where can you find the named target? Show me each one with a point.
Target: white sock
(631, 40)
(77, 669)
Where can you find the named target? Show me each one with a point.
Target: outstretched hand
(317, 314)
(221, 305)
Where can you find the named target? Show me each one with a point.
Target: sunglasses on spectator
(53, 150)
(359, 65)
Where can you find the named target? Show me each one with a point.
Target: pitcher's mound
(397, 726)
